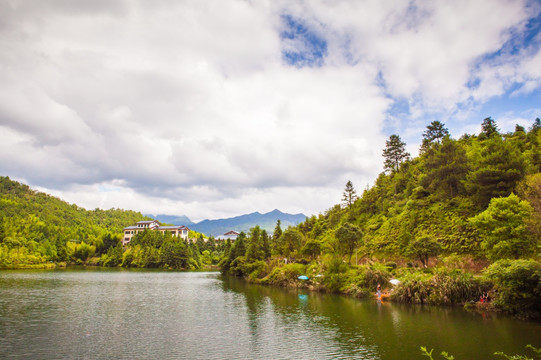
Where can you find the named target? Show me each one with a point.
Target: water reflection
(152, 314)
(381, 330)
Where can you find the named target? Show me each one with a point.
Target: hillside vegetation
(461, 219)
(36, 228)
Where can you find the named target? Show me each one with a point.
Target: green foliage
(312, 248)
(284, 275)
(498, 168)
(488, 128)
(290, 242)
(503, 228)
(36, 228)
(518, 285)
(394, 153)
(445, 168)
(349, 196)
(422, 248)
(440, 287)
(174, 254)
(445, 355)
(375, 274)
(80, 251)
(428, 354)
(348, 236)
(254, 250)
(335, 279)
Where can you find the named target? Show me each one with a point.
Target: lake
(127, 314)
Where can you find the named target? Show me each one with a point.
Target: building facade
(130, 231)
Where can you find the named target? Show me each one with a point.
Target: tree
(536, 125)
(422, 248)
(2, 231)
(519, 129)
(290, 242)
(276, 235)
(394, 153)
(349, 196)
(499, 169)
(174, 253)
(348, 236)
(108, 242)
(435, 132)
(312, 248)
(446, 168)
(488, 128)
(503, 228)
(254, 250)
(266, 245)
(519, 286)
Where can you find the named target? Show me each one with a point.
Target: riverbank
(509, 286)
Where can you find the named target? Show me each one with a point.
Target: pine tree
(488, 128)
(349, 196)
(277, 231)
(435, 132)
(394, 153)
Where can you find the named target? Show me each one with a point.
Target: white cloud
(190, 108)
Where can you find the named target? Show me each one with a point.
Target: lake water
(119, 314)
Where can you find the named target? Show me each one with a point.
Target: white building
(130, 231)
(231, 235)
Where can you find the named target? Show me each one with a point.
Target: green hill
(35, 228)
(461, 220)
(446, 195)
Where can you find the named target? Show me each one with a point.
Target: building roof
(174, 227)
(232, 235)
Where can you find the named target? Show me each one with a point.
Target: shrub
(518, 285)
(284, 275)
(334, 279)
(375, 274)
(255, 269)
(444, 287)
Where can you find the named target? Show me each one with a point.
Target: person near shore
(378, 291)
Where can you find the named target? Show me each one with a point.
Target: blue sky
(214, 109)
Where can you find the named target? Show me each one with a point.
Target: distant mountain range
(239, 223)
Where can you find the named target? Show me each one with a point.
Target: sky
(213, 109)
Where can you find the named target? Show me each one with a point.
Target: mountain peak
(239, 223)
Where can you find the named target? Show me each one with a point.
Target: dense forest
(38, 230)
(460, 220)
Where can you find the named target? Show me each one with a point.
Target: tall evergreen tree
(266, 244)
(254, 250)
(498, 171)
(488, 128)
(435, 132)
(349, 196)
(394, 153)
(276, 235)
(446, 168)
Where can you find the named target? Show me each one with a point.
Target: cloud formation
(214, 109)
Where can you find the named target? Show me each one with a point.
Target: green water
(116, 314)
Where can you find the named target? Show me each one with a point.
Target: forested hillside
(478, 195)
(433, 221)
(37, 228)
